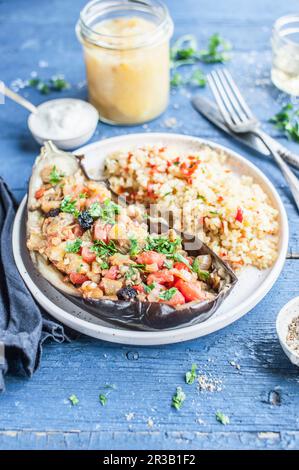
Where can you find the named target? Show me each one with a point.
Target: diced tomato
(78, 231)
(151, 257)
(239, 215)
(112, 273)
(100, 231)
(88, 255)
(160, 277)
(139, 288)
(190, 290)
(176, 299)
(39, 193)
(188, 168)
(181, 266)
(77, 278)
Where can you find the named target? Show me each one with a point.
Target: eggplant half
(134, 314)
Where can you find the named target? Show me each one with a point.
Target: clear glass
(285, 50)
(126, 51)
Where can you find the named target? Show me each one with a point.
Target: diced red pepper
(139, 288)
(77, 278)
(176, 299)
(151, 257)
(39, 193)
(88, 255)
(160, 277)
(112, 273)
(190, 290)
(181, 266)
(239, 215)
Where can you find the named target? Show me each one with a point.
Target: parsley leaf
(181, 259)
(149, 288)
(73, 247)
(58, 83)
(178, 398)
(162, 244)
(217, 50)
(103, 249)
(287, 120)
(222, 418)
(176, 80)
(202, 275)
(55, 83)
(106, 212)
(103, 399)
(191, 375)
(69, 205)
(183, 51)
(55, 177)
(104, 265)
(198, 78)
(134, 247)
(74, 400)
(168, 294)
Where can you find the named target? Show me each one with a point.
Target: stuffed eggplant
(103, 255)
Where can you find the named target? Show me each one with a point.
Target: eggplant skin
(158, 316)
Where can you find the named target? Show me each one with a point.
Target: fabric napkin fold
(24, 327)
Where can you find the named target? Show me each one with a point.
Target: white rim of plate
(165, 336)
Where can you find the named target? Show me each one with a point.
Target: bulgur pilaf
(230, 213)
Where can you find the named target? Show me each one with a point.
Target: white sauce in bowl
(63, 119)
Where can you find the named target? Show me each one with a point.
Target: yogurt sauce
(63, 119)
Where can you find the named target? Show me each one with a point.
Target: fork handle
(290, 177)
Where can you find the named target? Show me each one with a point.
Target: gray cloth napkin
(24, 327)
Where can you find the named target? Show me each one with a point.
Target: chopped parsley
(200, 196)
(149, 288)
(191, 375)
(183, 51)
(73, 247)
(104, 265)
(168, 264)
(178, 398)
(103, 249)
(162, 244)
(202, 274)
(222, 418)
(134, 247)
(287, 120)
(82, 196)
(103, 399)
(181, 259)
(106, 212)
(168, 294)
(69, 205)
(217, 50)
(198, 78)
(176, 80)
(74, 400)
(55, 83)
(55, 177)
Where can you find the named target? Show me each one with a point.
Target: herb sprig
(178, 398)
(55, 83)
(287, 120)
(69, 205)
(73, 247)
(55, 176)
(191, 375)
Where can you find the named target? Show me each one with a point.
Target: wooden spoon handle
(20, 100)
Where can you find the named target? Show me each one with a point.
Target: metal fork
(240, 119)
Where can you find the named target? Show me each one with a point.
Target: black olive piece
(53, 212)
(85, 220)
(126, 293)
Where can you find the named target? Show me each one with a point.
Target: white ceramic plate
(253, 285)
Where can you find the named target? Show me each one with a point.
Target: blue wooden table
(256, 386)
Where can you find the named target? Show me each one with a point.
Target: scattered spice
(235, 365)
(209, 384)
(293, 335)
(222, 418)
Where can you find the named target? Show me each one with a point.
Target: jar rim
(281, 22)
(89, 34)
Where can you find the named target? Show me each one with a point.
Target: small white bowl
(284, 318)
(76, 140)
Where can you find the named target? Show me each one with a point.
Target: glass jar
(285, 50)
(126, 51)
